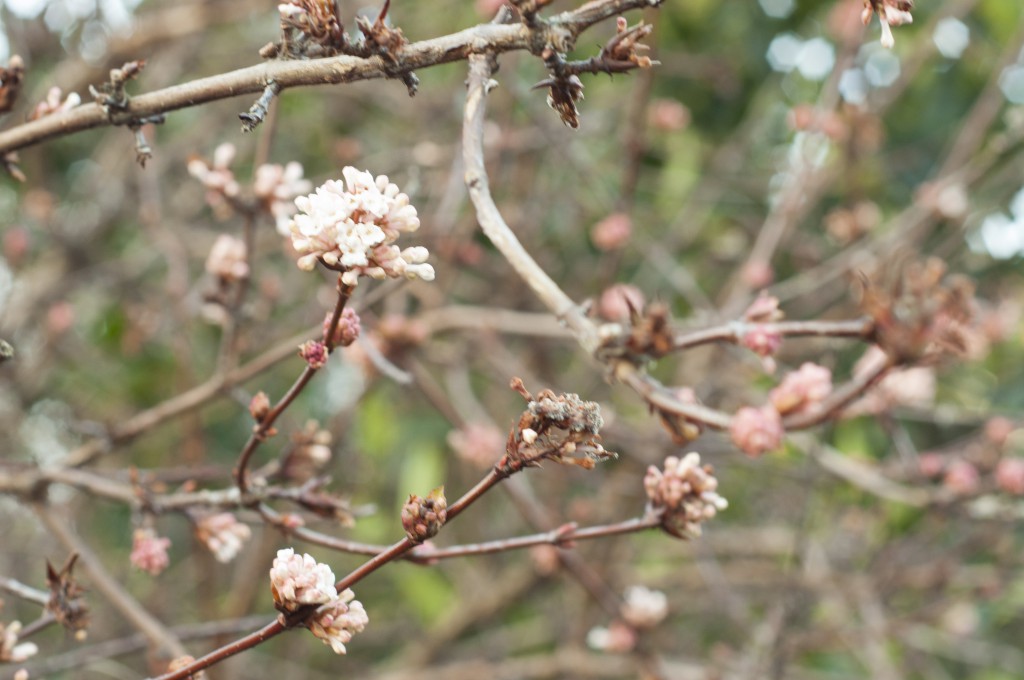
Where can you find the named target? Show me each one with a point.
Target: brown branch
(734, 332)
(560, 31)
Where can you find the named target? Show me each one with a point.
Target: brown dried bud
(422, 518)
(259, 406)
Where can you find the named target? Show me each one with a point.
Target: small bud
(347, 329)
(757, 430)
(529, 435)
(314, 353)
(259, 406)
(422, 518)
(961, 478)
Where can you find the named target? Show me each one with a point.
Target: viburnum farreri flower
(687, 491)
(298, 581)
(352, 227)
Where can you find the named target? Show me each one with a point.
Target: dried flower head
(563, 93)
(802, 390)
(352, 226)
(422, 518)
(562, 428)
(757, 430)
(317, 21)
(685, 491)
(223, 534)
(11, 651)
(149, 551)
(66, 602)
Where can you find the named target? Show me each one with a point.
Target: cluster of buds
(218, 178)
(558, 427)
(802, 390)
(314, 353)
(890, 13)
(149, 551)
(685, 493)
(223, 534)
(925, 314)
(625, 51)
(757, 336)
(422, 518)
(276, 187)
(299, 582)
(54, 104)
(643, 607)
(228, 260)
(756, 431)
(346, 331)
(316, 22)
(352, 226)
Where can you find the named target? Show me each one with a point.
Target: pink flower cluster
(757, 430)
(223, 534)
(802, 390)
(149, 551)
(277, 186)
(227, 259)
(686, 490)
(298, 581)
(352, 226)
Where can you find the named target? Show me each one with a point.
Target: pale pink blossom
(227, 259)
(668, 115)
(644, 607)
(53, 104)
(687, 493)
(612, 232)
(914, 387)
(999, 429)
(352, 226)
(931, 464)
(961, 478)
(277, 187)
(299, 580)
(11, 651)
(1010, 475)
(347, 329)
(223, 534)
(617, 638)
(757, 430)
(149, 551)
(802, 390)
(479, 444)
(762, 340)
(216, 177)
(339, 621)
(764, 309)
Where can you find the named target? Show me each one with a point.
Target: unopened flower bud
(347, 329)
(757, 430)
(422, 518)
(1010, 476)
(314, 353)
(259, 406)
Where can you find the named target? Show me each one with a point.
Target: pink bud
(314, 352)
(619, 301)
(149, 551)
(612, 232)
(348, 328)
(668, 115)
(931, 464)
(762, 340)
(998, 430)
(764, 309)
(757, 430)
(961, 478)
(802, 390)
(1010, 476)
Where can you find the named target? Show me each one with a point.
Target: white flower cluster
(297, 581)
(644, 607)
(10, 649)
(277, 186)
(223, 534)
(353, 225)
(686, 490)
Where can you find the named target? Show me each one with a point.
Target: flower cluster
(686, 491)
(422, 518)
(300, 581)
(227, 259)
(149, 551)
(347, 330)
(10, 650)
(890, 13)
(276, 187)
(644, 607)
(218, 178)
(757, 430)
(802, 390)
(352, 226)
(223, 534)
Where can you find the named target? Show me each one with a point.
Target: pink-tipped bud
(314, 353)
(764, 309)
(931, 464)
(149, 551)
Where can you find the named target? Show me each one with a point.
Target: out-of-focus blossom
(762, 340)
(618, 302)
(299, 580)
(223, 534)
(218, 178)
(687, 491)
(277, 187)
(347, 329)
(53, 104)
(914, 387)
(931, 464)
(668, 115)
(948, 200)
(999, 429)
(764, 309)
(961, 478)
(802, 390)
(617, 638)
(1010, 475)
(353, 225)
(848, 224)
(757, 274)
(612, 232)
(478, 444)
(643, 607)
(309, 453)
(757, 430)
(227, 259)
(336, 625)
(545, 559)
(11, 651)
(60, 317)
(16, 243)
(149, 551)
